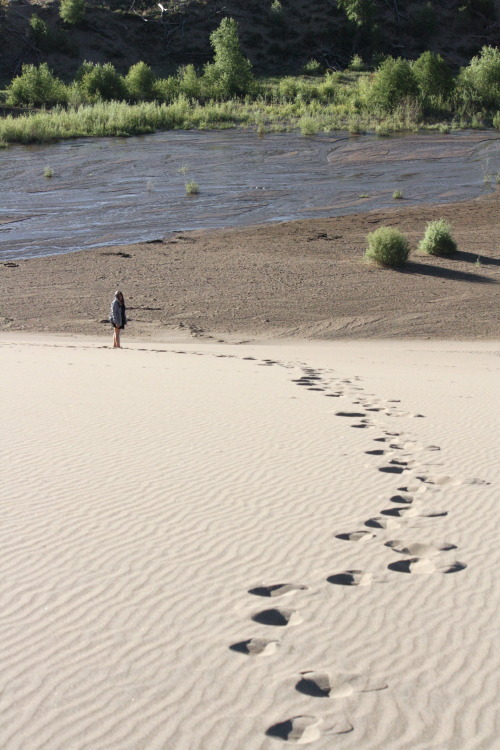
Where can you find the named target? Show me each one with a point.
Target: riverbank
(305, 279)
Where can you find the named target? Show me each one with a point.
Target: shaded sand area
(248, 547)
(303, 279)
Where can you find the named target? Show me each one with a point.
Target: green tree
(231, 72)
(98, 81)
(72, 11)
(140, 82)
(359, 12)
(433, 76)
(479, 82)
(394, 81)
(36, 86)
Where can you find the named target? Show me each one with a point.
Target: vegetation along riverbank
(377, 91)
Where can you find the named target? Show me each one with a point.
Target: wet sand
(305, 279)
(114, 191)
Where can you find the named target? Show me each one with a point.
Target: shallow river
(114, 191)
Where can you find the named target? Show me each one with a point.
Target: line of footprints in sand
(416, 557)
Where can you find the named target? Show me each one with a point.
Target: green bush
(393, 82)
(479, 82)
(98, 81)
(167, 89)
(36, 86)
(437, 239)
(387, 246)
(189, 83)
(140, 82)
(231, 72)
(40, 33)
(433, 76)
(72, 11)
(359, 12)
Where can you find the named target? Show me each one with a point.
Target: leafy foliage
(433, 76)
(437, 239)
(72, 11)
(387, 246)
(140, 82)
(98, 81)
(359, 12)
(36, 86)
(480, 80)
(394, 81)
(231, 72)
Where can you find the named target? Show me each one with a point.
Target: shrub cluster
(389, 247)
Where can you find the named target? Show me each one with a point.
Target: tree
(140, 81)
(359, 12)
(98, 81)
(37, 86)
(394, 81)
(231, 72)
(433, 75)
(480, 81)
(72, 11)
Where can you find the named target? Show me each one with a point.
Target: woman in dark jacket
(118, 318)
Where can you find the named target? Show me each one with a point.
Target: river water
(116, 191)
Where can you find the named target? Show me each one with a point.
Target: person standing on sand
(118, 318)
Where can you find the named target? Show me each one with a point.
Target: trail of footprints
(400, 456)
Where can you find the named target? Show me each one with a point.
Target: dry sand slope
(246, 548)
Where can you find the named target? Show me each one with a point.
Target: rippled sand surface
(117, 191)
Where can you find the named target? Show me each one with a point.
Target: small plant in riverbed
(478, 261)
(397, 195)
(183, 170)
(192, 188)
(48, 173)
(437, 239)
(387, 246)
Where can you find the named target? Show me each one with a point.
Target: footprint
(392, 469)
(356, 536)
(447, 481)
(413, 511)
(425, 566)
(350, 414)
(256, 647)
(277, 617)
(277, 589)
(403, 497)
(336, 684)
(419, 549)
(305, 729)
(383, 522)
(351, 578)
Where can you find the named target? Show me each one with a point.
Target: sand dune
(247, 547)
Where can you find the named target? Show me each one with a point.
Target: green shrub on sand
(437, 239)
(387, 246)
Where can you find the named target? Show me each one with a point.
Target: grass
(48, 173)
(308, 104)
(387, 246)
(397, 195)
(192, 188)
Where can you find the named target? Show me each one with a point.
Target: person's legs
(116, 338)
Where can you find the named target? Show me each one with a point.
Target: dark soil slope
(277, 40)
